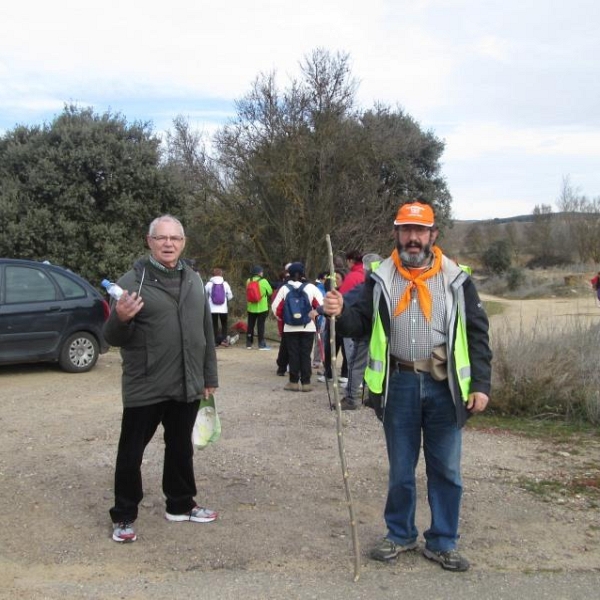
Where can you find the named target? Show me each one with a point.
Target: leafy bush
(497, 257)
(539, 283)
(515, 278)
(547, 261)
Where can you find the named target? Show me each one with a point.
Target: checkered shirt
(412, 336)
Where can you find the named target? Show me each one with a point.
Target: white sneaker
(198, 514)
(321, 378)
(342, 380)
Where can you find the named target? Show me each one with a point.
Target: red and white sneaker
(198, 514)
(123, 532)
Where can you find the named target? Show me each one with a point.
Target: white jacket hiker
(218, 308)
(313, 293)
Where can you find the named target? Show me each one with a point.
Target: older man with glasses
(162, 323)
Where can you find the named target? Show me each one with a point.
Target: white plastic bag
(207, 428)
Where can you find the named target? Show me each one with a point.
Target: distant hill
(466, 240)
(517, 219)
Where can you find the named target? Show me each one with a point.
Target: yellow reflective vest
(459, 367)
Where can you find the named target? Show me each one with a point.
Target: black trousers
(282, 356)
(339, 345)
(138, 426)
(258, 320)
(222, 335)
(299, 346)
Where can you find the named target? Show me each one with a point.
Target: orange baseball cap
(415, 213)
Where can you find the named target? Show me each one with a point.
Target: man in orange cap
(429, 370)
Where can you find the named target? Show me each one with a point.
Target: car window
(69, 288)
(26, 284)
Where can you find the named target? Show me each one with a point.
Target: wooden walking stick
(338, 420)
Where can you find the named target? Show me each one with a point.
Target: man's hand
(208, 391)
(333, 303)
(477, 402)
(128, 306)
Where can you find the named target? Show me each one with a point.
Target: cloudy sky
(513, 87)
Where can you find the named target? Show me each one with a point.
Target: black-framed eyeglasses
(161, 239)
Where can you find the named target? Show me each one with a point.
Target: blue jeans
(417, 403)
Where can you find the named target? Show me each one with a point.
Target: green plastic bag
(207, 428)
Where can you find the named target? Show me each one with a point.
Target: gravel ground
(275, 478)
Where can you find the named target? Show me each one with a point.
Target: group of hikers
(411, 326)
(296, 302)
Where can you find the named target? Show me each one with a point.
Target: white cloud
(474, 140)
(511, 86)
(493, 47)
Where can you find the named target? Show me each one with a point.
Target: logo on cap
(415, 213)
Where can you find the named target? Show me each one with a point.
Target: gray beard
(415, 260)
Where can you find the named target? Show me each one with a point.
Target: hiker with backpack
(293, 303)
(339, 341)
(258, 292)
(282, 360)
(219, 294)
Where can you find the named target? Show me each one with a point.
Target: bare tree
(582, 217)
(298, 163)
(539, 235)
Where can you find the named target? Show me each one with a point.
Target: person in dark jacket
(162, 324)
(358, 351)
(429, 369)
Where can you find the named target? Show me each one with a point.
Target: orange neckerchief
(418, 282)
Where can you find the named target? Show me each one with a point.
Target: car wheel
(79, 353)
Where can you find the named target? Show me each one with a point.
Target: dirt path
(275, 478)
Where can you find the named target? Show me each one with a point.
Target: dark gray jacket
(168, 348)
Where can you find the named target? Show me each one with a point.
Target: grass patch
(575, 483)
(493, 308)
(578, 486)
(539, 428)
(544, 489)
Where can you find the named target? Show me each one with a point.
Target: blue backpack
(297, 306)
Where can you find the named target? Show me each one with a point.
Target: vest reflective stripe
(461, 356)
(376, 367)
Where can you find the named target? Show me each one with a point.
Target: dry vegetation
(546, 351)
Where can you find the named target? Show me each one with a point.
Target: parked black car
(48, 313)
